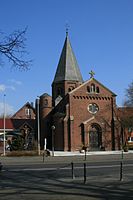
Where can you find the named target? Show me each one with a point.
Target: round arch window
(93, 108)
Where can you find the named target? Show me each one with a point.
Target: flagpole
(4, 146)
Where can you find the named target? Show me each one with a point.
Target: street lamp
(53, 129)
(112, 125)
(38, 125)
(4, 120)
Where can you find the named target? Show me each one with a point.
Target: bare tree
(129, 96)
(14, 49)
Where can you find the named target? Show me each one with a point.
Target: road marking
(67, 168)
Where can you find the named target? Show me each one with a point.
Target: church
(78, 114)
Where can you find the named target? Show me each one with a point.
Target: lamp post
(112, 124)
(4, 120)
(38, 125)
(53, 133)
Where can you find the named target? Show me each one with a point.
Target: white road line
(67, 168)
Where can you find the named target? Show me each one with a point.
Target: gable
(26, 112)
(92, 87)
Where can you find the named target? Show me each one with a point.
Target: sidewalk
(77, 153)
(67, 157)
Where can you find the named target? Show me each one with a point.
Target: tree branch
(13, 48)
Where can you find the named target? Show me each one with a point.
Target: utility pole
(4, 126)
(112, 125)
(38, 125)
(53, 134)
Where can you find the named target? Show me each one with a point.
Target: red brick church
(78, 113)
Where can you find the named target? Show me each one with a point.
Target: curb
(77, 153)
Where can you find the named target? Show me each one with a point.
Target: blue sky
(101, 34)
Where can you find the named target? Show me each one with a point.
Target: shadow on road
(53, 185)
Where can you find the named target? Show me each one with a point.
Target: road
(25, 178)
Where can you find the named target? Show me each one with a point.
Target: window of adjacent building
(45, 102)
(28, 112)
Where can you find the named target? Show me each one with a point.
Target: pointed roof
(19, 115)
(45, 95)
(67, 69)
(93, 79)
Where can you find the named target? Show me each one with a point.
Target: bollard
(121, 166)
(121, 171)
(1, 166)
(84, 173)
(43, 157)
(85, 154)
(72, 170)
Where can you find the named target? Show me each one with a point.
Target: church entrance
(95, 137)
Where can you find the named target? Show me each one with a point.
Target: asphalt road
(24, 178)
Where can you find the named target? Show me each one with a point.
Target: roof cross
(92, 74)
(67, 28)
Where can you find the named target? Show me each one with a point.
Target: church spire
(67, 69)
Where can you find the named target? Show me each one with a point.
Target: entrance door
(95, 138)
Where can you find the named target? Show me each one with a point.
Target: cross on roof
(91, 74)
(67, 28)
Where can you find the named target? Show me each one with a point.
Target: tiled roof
(16, 123)
(8, 124)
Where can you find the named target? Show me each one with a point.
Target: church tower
(67, 76)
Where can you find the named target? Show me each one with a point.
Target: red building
(78, 113)
(21, 123)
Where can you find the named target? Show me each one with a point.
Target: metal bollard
(121, 166)
(85, 154)
(1, 166)
(43, 157)
(84, 173)
(121, 171)
(72, 170)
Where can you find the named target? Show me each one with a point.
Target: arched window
(97, 89)
(88, 89)
(59, 91)
(92, 88)
(70, 88)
